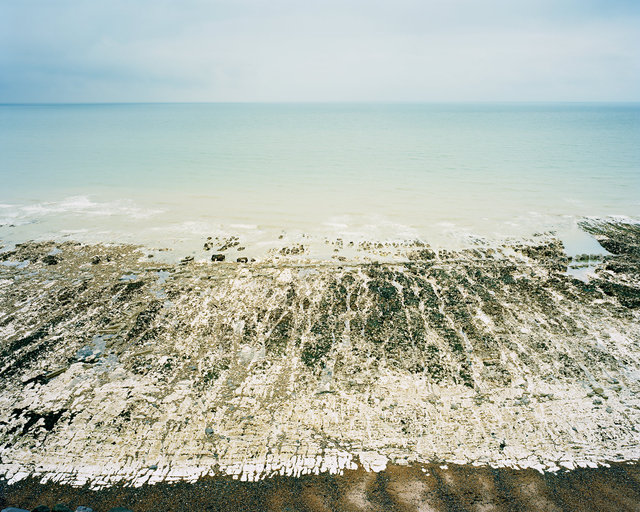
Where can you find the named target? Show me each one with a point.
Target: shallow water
(172, 174)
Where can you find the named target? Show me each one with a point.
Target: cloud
(285, 50)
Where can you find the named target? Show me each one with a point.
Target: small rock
(50, 260)
(55, 373)
(243, 260)
(186, 259)
(153, 467)
(597, 401)
(454, 407)
(609, 410)
(208, 431)
(240, 249)
(84, 509)
(598, 390)
(95, 260)
(217, 257)
(61, 508)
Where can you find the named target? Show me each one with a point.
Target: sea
(171, 175)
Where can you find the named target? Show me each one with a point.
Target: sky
(319, 50)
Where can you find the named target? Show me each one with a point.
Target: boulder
(61, 508)
(50, 260)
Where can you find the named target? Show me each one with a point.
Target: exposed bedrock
(124, 370)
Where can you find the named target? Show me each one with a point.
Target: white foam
(244, 226)
(85, 206)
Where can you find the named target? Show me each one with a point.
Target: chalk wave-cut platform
(116, 369)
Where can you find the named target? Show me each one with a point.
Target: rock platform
(118, 370)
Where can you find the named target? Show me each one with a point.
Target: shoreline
(433, 487)
(169, 239)
(117, 368)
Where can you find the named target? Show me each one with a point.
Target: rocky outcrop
(490, 356)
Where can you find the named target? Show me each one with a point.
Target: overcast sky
(323, 50)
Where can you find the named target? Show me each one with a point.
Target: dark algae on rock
(620, 273)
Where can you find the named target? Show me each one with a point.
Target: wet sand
(398, 488)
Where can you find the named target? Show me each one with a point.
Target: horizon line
(333, 102)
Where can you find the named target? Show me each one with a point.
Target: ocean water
(169, 175)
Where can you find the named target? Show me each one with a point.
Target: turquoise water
(170, 173)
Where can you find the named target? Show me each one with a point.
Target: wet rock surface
(620, 274)
(131, 371)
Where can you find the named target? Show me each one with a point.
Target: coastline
(117, 369)
(431, 487)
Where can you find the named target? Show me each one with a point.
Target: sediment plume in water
(117, 370)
